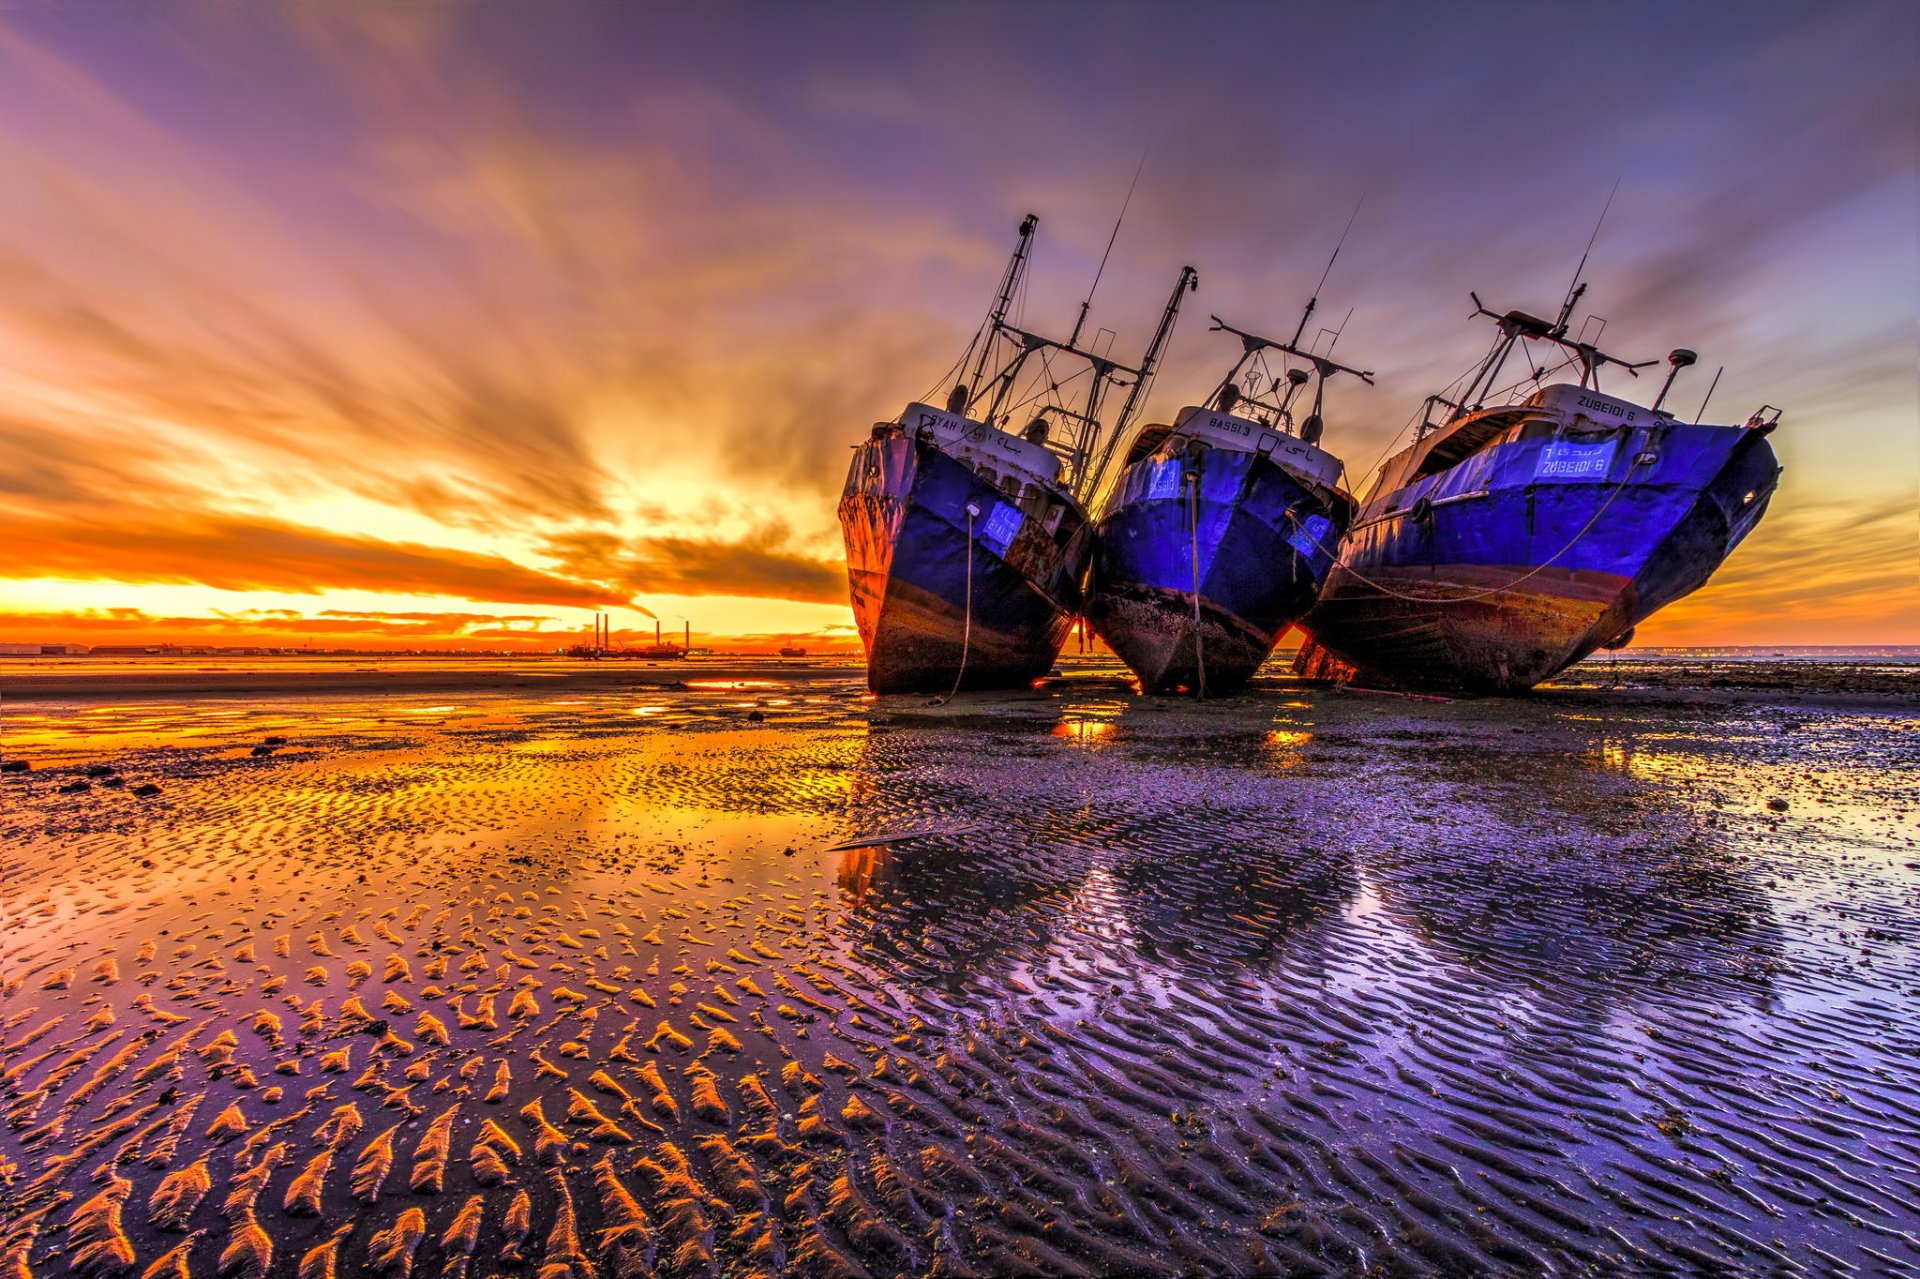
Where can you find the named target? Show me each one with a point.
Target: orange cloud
(332, 628)
(761, 564)
(237, 554)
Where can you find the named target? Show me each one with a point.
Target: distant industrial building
(42, 650)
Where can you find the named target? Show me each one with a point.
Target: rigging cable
(1049, 387)
(957, 366)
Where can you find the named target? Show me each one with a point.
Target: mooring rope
(966, 626)
(1193, 542)
(1542, 567)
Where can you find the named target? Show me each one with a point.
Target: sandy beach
(736, 971)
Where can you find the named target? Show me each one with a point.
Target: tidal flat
(758, 975)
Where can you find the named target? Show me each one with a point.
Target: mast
(1077, 452)
(997, 317)
(1189, 282)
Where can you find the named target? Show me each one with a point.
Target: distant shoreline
(1876, 676)
(133, 677)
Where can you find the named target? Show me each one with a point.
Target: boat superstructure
(1218, 531)
(1506, 543)
(967, 542)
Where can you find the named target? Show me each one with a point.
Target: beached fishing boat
(1218, 532)
(1507, 543)
(966, 542)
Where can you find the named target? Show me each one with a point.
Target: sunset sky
(428, 324)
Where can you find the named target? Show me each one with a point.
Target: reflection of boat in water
(967, 542)
(949, 907)
(1217, 533)
(1507, 543)
(1019, 870)
(1541, 880)
(967, 910)
(1213, 911)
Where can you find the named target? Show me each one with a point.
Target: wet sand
(61, 679)
(761, 976)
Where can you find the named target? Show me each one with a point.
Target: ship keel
(1152, 631)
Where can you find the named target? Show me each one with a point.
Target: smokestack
(689, 643)
(656, 632)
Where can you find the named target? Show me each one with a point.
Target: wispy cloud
(582, 309)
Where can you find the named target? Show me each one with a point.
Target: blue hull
(920, 608)
(1512, 570)
(1262, 544)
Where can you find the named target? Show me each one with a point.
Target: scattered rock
(15, 766)
(1777, 804)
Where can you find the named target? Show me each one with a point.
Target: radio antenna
(1573, 286)
(1102, 269)
(1328, 353)
(1315, 299)
(1710, 389)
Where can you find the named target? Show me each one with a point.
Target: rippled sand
(782, 980)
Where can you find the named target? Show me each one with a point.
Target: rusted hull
(1258, 543)
(1506, 586)
(934, 602)
(1481, 643)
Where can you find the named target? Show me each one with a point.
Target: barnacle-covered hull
(1508, 568)
(1253, 540)
(939, 594)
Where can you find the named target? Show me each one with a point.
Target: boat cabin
(1020, 466)
(1244, 435)
(1557, 410)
